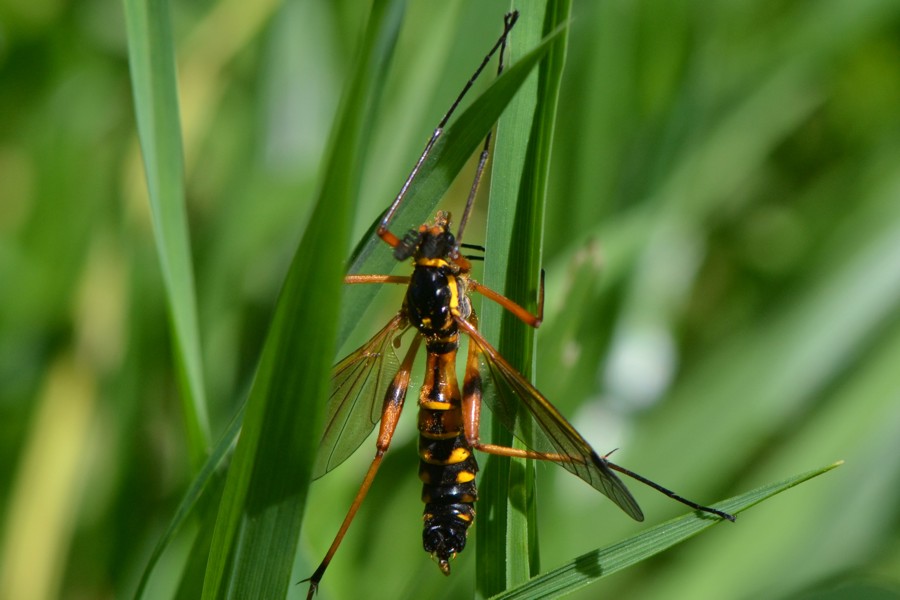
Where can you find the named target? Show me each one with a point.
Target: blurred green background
(723, 281)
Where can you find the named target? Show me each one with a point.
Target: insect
(438, 307)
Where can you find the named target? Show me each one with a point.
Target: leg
(517, 453)
(509, 19)
(471, 410)
(559, 458)
(404, 279)
(669, 492)
(472, 392)
(516, 309)
(393, 405)
(586, 464)
(392, 240)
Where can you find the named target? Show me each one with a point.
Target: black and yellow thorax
(437, 292)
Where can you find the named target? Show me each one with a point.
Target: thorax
(435, 297)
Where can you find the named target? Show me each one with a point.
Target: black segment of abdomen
(449, 494)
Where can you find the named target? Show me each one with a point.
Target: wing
(508, 393)
(358, 385)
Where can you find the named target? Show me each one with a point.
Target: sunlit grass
(722, 262)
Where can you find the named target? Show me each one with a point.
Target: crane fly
(438, 307)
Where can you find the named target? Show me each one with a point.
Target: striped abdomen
(446, 465)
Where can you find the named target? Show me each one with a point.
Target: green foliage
(604, 562)
(507, 542)
(264, 498)
(723, 284)
(152, 67)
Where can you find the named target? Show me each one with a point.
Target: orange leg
(559, 458)
(404, 279)
(517, 310)
(517, 453)
(471, 410)
(472, 392)
(390, 415)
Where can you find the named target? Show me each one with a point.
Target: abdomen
(447, 469)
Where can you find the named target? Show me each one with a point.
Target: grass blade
(603, 562)
(265, 494)
(198, 491)
(151, 57)
(507, 541)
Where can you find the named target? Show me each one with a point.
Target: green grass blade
(151, 58)
(265, 494)
(199, 489)
(507, 542)
(603, 562)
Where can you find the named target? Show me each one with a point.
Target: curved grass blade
(151, 57)
(265, 494)
(507, 542)
(603, 562)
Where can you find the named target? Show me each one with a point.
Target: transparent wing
(520, 406)
(358, 385)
